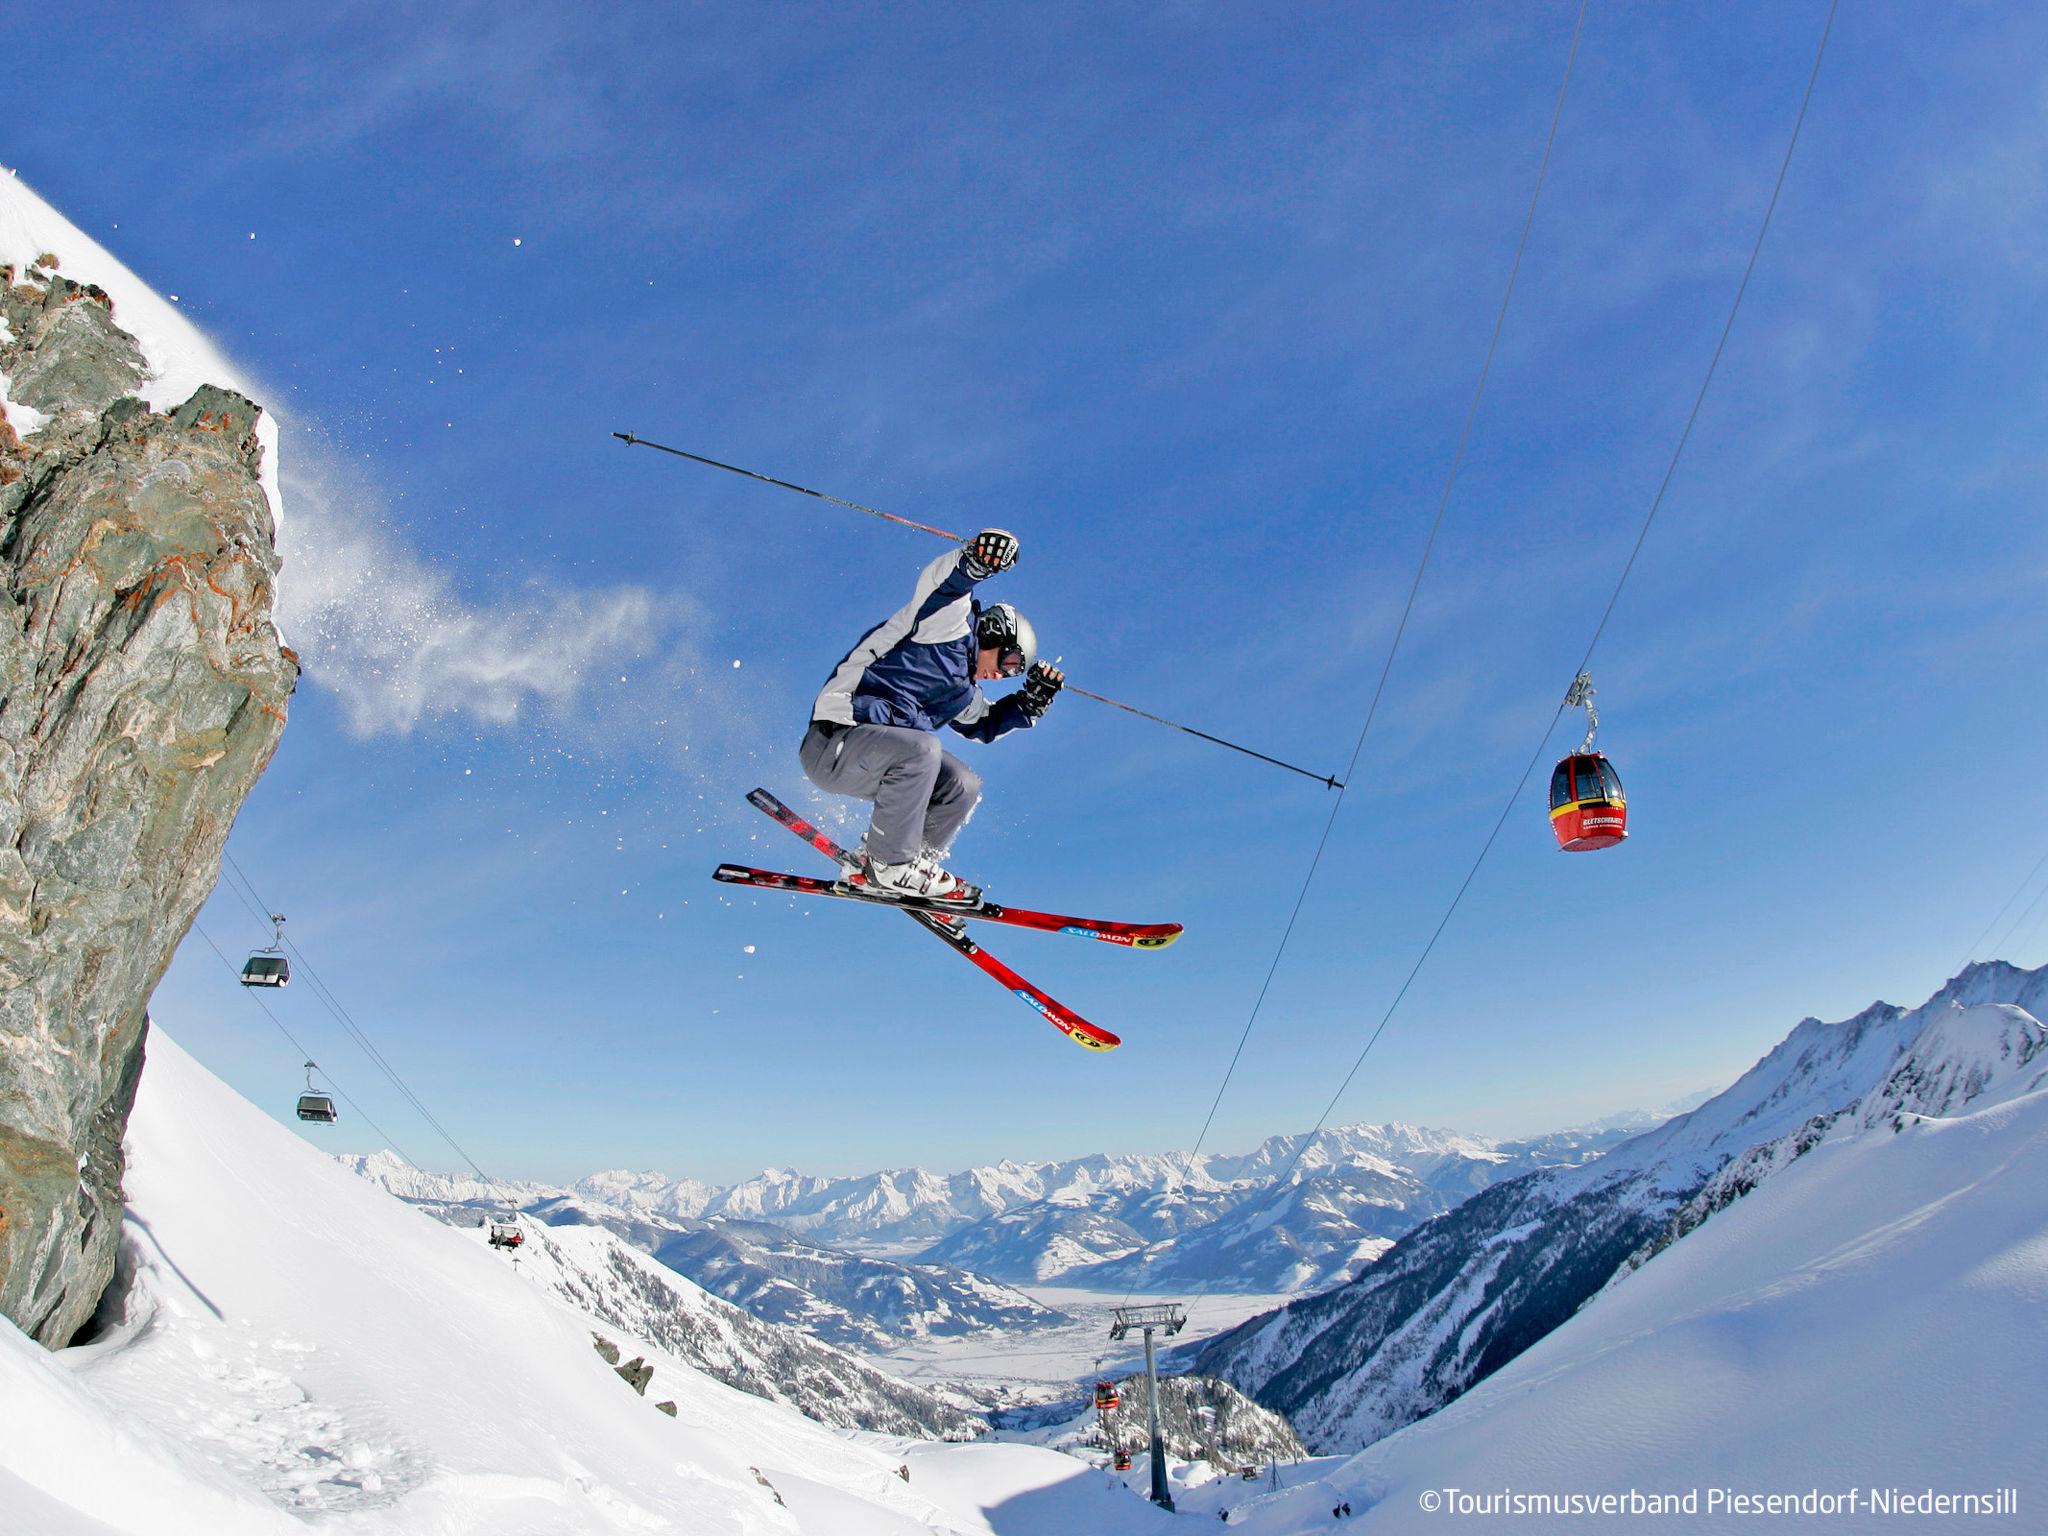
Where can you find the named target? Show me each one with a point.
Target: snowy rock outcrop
(1961, 1057)
(1462, 1295)
(603, 1277)
(142, 692)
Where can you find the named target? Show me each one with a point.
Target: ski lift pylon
(267, 967)
(313, 1104)
(1587, 807)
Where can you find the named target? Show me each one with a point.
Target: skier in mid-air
(873, 727)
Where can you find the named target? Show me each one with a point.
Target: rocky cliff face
(142, 691)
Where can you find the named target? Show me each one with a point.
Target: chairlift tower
(1168, 1318)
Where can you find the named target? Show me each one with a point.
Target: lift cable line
(1415, 586)
(2005, 940)
(1755, 250)
(355, 1031)
(1614, 597)
(357, 1109)
(1327, 780)
(2028, 941)
(1373, 1039)
(1408, 609)
(2015, 896)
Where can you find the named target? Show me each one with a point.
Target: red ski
(1135, 935)
(953, 932)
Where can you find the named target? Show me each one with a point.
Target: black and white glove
(1040, 685)
(990, 551)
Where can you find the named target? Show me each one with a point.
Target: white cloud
(393, 638)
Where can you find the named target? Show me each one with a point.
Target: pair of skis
(949, 923)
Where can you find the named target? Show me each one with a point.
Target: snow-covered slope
(609, 1279)
(1463, 1294)
(296, 1344)
(1869, 1317)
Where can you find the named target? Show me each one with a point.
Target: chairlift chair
(267, 967)
(506, 1234)
(313, 1104)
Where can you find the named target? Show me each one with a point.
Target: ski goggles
(1010, 661)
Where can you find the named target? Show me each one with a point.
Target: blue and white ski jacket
(916, 667)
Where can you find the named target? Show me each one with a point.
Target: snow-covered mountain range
(1468, 1291)
(614, 1282)
(856, 1300)
(846, 1298)
(1292, 1214)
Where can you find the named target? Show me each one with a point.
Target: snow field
(1868, 1317)
(298, 1346)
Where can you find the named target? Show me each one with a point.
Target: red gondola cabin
(1587, 807)
(1123, 1461)
(1105, 1396)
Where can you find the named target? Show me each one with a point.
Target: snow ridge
(1464, 1293)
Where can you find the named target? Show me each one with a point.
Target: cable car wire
(357, 1109)
(1657, 501)
(2015, 896)
(2005, 940)
(2028, 942)
(327, 999)
(1415, 586)
(1755, 250)
(1618, 584)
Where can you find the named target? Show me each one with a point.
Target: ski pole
(1320, 778)
(697, 458)
(630, 440)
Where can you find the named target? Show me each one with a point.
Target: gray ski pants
(922, 793)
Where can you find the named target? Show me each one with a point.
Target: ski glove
(1043, 681)
(990, 551)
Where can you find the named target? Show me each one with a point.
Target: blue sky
(1193, 298)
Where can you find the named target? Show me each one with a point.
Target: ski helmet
(1007, 632)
